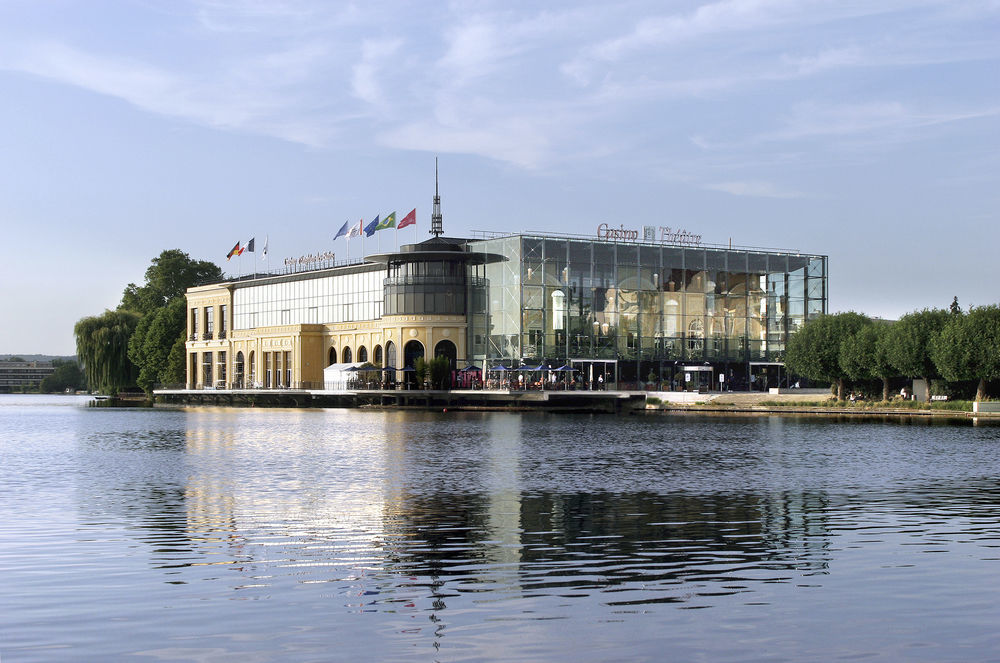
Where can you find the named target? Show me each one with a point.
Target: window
(238, 369)
(194, 324)
(221, 372)
(206, 369)
(209, 321)
(222, 320)
(288, 369)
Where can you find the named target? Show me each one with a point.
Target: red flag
(408, 220)
(234, 252)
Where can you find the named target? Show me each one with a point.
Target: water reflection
(283, 533)
(395, 509)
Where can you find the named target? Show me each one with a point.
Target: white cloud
(755, 189)
(365, 75)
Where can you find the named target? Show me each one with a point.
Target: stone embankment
(816, 402)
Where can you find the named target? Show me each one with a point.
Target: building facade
(618, 309)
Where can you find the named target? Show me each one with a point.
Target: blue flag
(370, 228)
(343, 230)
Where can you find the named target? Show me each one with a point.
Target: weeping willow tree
(102, 347)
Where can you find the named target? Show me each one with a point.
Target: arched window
(362, 354)
(333, 356)
(447, 349)
(377, 355)
(238, 369)
(390, 355)
(696, 335)
(347, 356)
(412, 351)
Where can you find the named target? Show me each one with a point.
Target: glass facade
(311, 299)
(627, 312)
(641, 305)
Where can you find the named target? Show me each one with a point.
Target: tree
(162, 303)
(909, 343)
(67, 375)
(440, 372)
(169, 276)
(955, 309)
(102, 347)
(420, 370)
(154, 338)
(814, 350)
(968, 347)
(864, 356)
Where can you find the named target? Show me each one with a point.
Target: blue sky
(867, 131)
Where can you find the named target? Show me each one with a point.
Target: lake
(218, 534)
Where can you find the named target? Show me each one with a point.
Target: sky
(865, 131)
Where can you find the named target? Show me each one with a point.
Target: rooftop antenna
(436, 229)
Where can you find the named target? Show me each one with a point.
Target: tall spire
(436, 229)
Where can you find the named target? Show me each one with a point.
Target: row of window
(202, 322)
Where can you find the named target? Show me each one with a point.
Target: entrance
(765, 374)
(698, 378)
(412, 351)
(595, 374)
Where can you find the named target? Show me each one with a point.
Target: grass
(863, 405)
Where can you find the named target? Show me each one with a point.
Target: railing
(474, 281)
(493, 234)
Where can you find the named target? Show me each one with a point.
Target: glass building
(641, 311)
(623, 311)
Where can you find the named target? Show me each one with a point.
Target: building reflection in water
(415, 511)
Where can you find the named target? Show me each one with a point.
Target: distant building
(21, 375)
(620, 306)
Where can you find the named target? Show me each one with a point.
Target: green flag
(388, 222)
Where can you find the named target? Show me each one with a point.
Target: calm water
(274, 535)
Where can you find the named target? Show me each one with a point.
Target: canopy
(567, 367)
(470, 368)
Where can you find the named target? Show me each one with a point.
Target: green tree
(154, 338)
(174, 373)
(162, 303)
(67, 375)
(968, 347)
(814, 350)
(420, 371)
(864, 356)
(909, 343)
(102, 347)
(440, 372)
(168, 277)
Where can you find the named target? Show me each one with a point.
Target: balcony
(193, 337)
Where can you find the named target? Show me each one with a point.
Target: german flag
(234, 252)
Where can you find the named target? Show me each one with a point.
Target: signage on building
(311, 259)
(667, 235)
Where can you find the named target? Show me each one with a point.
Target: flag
(249, 246)
(263, 252)
(371, 227)
(408, 220)
(342, 231)
(387, 222)
(235, 251)
(356, 230)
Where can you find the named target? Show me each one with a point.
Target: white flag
(263, 253)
